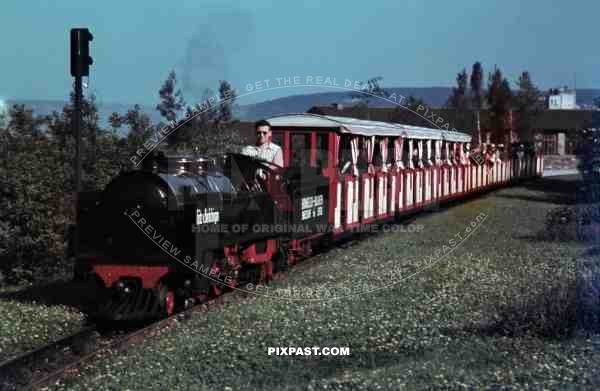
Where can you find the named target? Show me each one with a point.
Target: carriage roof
(366, 128)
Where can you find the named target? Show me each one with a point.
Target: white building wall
(562, 101)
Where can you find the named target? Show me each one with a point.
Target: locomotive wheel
(216, 289)
(259, 273)
(267, 272)
(279, 263)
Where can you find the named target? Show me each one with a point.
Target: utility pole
(80, 66)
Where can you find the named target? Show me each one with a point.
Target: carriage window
(416, 153)
(443, 157)
(322, 150)
(405, 153)
(300, 150)
(391, 158)
(377, 153)
(362, 163)
(344, 154)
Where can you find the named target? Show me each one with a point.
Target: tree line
(37, 180)
(469, 99)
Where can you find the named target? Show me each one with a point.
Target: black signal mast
(80, 66)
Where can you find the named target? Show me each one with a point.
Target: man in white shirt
(265, 149)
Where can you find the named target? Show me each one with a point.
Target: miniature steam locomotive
(183, 228)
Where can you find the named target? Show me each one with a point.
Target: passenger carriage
(377, 170)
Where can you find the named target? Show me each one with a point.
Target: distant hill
(432, 96)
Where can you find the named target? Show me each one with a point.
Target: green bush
(549, 312)
(37, 206)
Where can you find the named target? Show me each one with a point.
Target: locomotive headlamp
(124, 287)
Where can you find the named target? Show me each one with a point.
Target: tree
(499, 99)
(140, 127)
(588, 154)
(413, 103)
(227, 96)
(21, 130)
(210, 126)
(171, 101)
(459, 100)
(477, 98)
(215, 130)
(527, 106)
(37, 181)
(3, 115)
(116, 121)
(91, 129)
(23, 122)
(60, 128)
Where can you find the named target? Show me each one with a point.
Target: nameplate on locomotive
(312, 206)
(207, 216)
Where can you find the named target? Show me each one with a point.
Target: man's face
(263, 134)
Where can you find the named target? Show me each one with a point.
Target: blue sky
(408, 42)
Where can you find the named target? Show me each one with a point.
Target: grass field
(495, 308)
(25, 326)
(33, 316)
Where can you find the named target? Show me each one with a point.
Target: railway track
(49, 363)
(14, 371)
